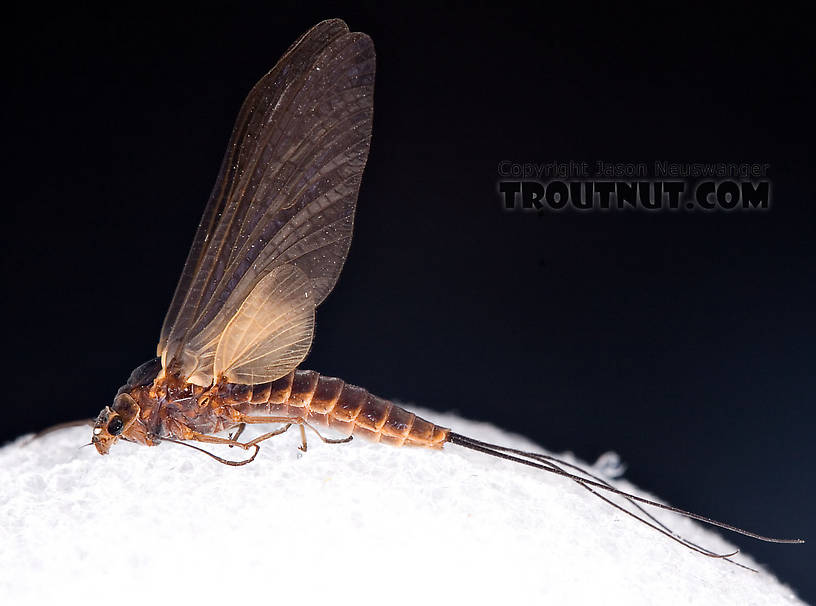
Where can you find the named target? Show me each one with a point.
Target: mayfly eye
(115, 426)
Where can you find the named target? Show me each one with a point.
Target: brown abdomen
(349, 409)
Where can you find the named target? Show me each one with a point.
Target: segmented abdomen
(330, 401)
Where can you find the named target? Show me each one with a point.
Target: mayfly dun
(268, 250)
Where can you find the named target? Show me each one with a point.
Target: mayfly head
(114, 422)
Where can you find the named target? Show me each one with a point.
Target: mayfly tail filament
(591, 482)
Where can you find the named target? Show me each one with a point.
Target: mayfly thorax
(268, 250)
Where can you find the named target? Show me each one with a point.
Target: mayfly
(268, 250)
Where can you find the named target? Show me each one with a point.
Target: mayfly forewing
(286, 194)
(223, 205)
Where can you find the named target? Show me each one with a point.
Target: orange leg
(202, 437)
(234, 435)
(230, 441)
(300, 421)
(289, 421)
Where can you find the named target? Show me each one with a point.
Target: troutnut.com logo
(660, 185)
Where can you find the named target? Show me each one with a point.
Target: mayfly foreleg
(209, 454)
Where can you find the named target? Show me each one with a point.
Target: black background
(684, 341)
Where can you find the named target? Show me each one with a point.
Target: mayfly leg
(303, 423)
(234, 435)
(303, 446)
(288, 422)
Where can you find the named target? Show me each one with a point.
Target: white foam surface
(350, 523)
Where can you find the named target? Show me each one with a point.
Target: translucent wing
(282, 209)
(271, 333)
